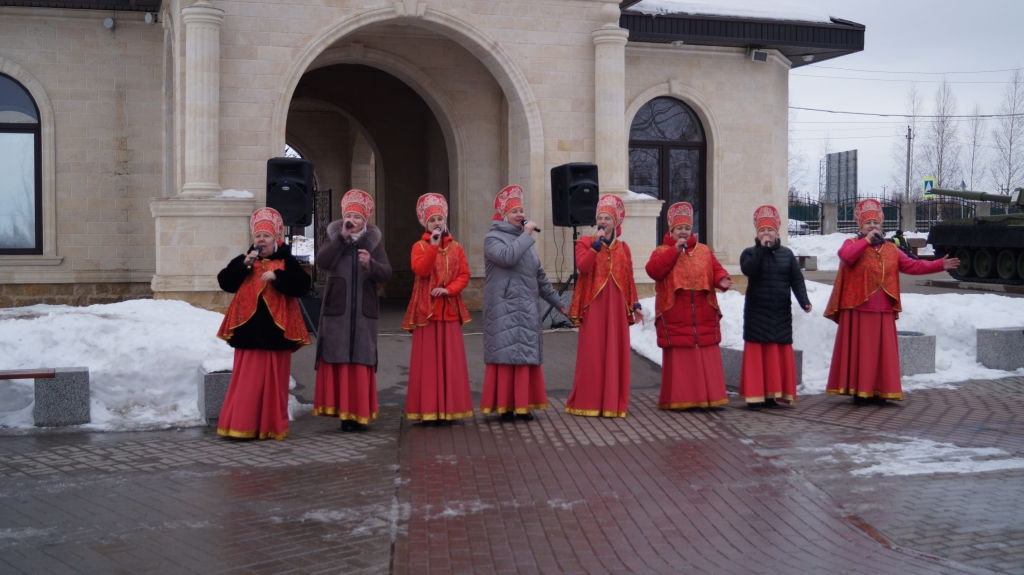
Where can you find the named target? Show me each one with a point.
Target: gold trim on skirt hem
(847, 391)
(775, 395)
(251, 434)
(333, 412)
(594, 412)
(692, 404)
(439, 416)
(517, 410)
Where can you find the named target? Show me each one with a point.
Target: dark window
(21, 190)
(668, 159)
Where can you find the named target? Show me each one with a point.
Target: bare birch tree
(942, 139)
(1008, 136)
(974, 149)
(914, 108)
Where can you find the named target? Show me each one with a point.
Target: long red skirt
(346, 390)
(866, 357)
(256, 405)
(517, 388)
(438, 376)
(600, 386)
(769, 372)
(692, 377)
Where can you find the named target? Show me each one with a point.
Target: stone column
(610, 139)
(829, 218)
(202, 99)
(908, 216)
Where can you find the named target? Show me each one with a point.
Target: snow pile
(912, 456)
(826, 248)
(637, 196)
(234, 194)
(143, 358)
(302, 246)
(952, 318)
(736, 8)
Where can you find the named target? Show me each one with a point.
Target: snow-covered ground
(143, 358)
(914, 456)
(826, 248)
(737, 8)
(302, 246)
(952, 318)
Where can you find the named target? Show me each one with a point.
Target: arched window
(21, 195)
(668, 159)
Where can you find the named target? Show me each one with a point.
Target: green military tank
(990, 248)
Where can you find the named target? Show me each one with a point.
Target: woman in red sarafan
(687, 316)
(264, 325)
(438, 375)
(865, 302)
(603, 306)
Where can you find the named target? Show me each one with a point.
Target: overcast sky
(902, 36)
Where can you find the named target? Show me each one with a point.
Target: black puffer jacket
(773, 273)
(260, 332)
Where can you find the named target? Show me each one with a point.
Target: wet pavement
(793, 490)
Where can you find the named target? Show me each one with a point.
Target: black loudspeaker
(574, 195)
(290, 190)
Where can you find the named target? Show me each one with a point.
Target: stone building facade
(141, 126)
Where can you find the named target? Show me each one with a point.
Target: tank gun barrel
(1017, 198)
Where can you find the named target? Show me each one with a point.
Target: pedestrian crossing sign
(929, 185)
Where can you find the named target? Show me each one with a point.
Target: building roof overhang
(129, 5)
(802, 43)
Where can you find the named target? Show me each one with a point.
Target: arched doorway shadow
(525, 113)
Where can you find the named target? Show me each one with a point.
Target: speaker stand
(571, 281)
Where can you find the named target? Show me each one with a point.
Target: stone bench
(917, 352)
(61, 395)
(213, 388)
(732, 364)
(808, 263)
(1001, 348)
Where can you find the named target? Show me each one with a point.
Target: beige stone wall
(743, 106)
(17, 295)
(105, 95)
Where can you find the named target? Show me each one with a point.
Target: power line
(892, 80)
(904, 115)
(928, 73)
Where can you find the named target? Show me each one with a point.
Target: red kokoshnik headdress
(430, 205)
(267, 220)
(680, 213)
(357, 201)
(767, 217)
(506, 201)
(868, 209)
(613, 206)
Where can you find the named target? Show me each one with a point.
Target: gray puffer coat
(513, 285)
(348, 318)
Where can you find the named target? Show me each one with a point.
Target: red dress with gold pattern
(865, 302)
(438, 373)
(602, 307)
(687, 322)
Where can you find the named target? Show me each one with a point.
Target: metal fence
(804, 216)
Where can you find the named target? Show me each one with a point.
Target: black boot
(525, 416)
(858, 400)
(346, 425)
(508, 416)
(755, 406)
(770, 403)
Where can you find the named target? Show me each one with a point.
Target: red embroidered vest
(447, 266)
(693, 271)
(876, 269)
(283, 309)
(611, 262)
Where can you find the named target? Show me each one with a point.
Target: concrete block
(808, 263)
(213, 388)
(64, 399)
(1001, 348)
(732, 365)
(917, 352)
(554, 318)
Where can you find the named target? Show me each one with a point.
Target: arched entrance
(668, 159)
(337, 111)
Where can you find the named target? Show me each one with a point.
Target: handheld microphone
(251, 249)
(349, 225)
(534, 229)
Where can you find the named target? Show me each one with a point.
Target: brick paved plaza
(724, 491)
